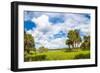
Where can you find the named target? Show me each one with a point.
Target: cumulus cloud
(57, 43)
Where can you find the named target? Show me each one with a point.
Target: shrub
(67, 49)
(82, 56)
(39, 58)
(32, 52)
(27, 58)
(35, 58)
(42, 50)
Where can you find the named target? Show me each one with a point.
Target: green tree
(73, 38)
(69, 43)
(77, 38)
(28, 42)
(86, 43)
(42, 49)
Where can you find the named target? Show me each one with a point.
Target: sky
(49, 29)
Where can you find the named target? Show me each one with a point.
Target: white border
(22, 64)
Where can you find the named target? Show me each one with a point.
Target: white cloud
(84, 28)
(57, 43)
(42, 21)
(29, 32)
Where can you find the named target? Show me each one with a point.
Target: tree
(28, 42)
(42, 49)
(73, 38)
(86, 43)
(69, 43)
(77, 38)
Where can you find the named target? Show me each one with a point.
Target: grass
(60, 55)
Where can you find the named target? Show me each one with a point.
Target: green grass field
(58, 55)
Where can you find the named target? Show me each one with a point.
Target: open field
(58, 55)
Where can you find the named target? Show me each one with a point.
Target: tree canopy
(28, 42)
(86, 43)
(74, 39)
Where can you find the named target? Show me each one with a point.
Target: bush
(35, 58)
(72, 50)
(27, 58)
(32, 52)
(39, 58)
(82, 56)
(42, 50)
(66, 49)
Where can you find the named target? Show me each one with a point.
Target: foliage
(74, 39)
(28, 42)
(86, 43)
(57, 55)
(39, 57)
(82, 56)
(35, 57)
(69, 43)
(42, 49)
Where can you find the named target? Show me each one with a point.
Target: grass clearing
(60, 55)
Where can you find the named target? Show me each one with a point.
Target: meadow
(57, 55)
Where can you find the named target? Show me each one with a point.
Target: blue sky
(50, 29)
